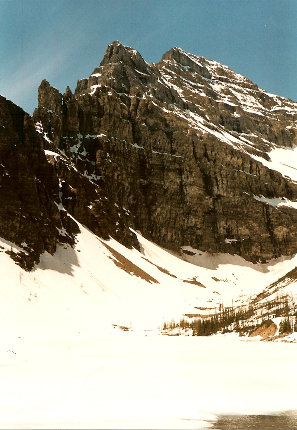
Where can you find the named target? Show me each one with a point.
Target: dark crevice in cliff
(269, 226)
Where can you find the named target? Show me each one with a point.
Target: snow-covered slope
(68, 360)
(284, 160)
(101, 284)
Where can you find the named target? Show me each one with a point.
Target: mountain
(196, 153)
(155, 204)
(153, 192)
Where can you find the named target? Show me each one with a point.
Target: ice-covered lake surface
(144, 380)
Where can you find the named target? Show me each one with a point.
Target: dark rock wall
(29, 216)
(39, 189)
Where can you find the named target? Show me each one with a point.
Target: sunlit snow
(66, 361)
(283, 160)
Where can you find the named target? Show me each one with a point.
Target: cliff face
(40, 188)
(29, 191)
(179, 150)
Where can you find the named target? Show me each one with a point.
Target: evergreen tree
(285, 326)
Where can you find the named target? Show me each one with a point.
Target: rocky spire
(186, 60)
(68, 95)
(49, 97)
(117, 52)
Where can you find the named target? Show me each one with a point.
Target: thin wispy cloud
(24, 81)
(44, 57)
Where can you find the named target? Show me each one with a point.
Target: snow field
(135, 381)
(283, 160)
(65, 362)
(83, 289)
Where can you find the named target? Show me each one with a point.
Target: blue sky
(64, 40)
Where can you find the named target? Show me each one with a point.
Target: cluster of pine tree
(280, 306)
(240, 320)
(287, 325)
(227, 319)
(283, 308)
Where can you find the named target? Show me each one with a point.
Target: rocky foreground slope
(185, 148)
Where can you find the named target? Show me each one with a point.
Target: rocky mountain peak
(187, 61)
(116, 52)
(184, 145)
(122, 68)
(49, 97)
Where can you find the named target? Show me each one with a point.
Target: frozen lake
(127, 380)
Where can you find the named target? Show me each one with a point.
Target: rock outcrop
(181, 148)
